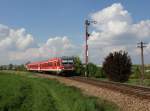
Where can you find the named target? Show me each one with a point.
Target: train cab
(67, 64)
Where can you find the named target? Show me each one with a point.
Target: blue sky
(38, 29)
(44, 18)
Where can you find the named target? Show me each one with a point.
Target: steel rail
(137, 91)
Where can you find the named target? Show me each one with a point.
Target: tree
(117, 66)
(1, 67)
(100, 73)
(136, 72)
(10, 66)
(92, 70)
(21, 67)
(4, 67)
(79, 69)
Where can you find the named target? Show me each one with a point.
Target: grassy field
(146, 82)
(131, 81)
(25, 92)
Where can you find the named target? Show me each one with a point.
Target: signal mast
(87, 24)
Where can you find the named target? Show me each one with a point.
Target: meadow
(136, 75)
(22, 91)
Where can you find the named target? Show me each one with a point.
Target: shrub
(91, 70)
(79, 68)
(95, 71)
(102, 74)
(135, 72)
(117, 66)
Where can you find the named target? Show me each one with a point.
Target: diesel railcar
(57, 65)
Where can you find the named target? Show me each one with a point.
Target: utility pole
(87, 24)
(142, 45)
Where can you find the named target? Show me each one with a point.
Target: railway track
(127, 97)
(137, 91)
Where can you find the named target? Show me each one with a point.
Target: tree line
(117, 66)
(13, 67)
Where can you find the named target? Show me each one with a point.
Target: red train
(58, 65)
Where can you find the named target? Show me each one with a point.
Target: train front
(67, 64)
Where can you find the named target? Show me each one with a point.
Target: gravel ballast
(124, 101)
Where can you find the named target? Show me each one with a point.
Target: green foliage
(102, 74)
(10, 66)
(20, 67)
(79, 68)
(135, 72)
(147, 72)
(98, 73)
(91, 70)
(13, 67)
(146, 82)
(95, 71)
(27, 93)
(117, 66)
(3, 67)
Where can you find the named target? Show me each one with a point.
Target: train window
(46, 64)
(55, 64)
(50, 64)
(69, 61)
(64, 61)
(42, 65)
(58, 63)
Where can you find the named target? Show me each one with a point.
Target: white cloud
(142, 29)
(18, 46)
(54, 47)
(113, 19)
(16, 39)
(116, 31)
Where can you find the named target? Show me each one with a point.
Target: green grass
(146, 82)
(23, 91)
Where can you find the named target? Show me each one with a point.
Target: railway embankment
(125, 101)
(23, 91)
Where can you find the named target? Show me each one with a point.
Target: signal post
(87, 24)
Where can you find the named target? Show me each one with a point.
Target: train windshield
(67, 61)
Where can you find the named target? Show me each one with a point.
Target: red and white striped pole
(87, 23)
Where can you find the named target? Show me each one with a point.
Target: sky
(33, 30)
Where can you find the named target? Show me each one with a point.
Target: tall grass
(23, 93)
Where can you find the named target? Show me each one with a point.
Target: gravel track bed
(124, 101)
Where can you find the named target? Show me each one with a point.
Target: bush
(95, 71)
(101, 74)
(135, 72)
(91, 70)
(79, 68)
(117, 66)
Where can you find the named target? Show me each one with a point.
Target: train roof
(51, 59)
(67, 57)
(44, 61)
